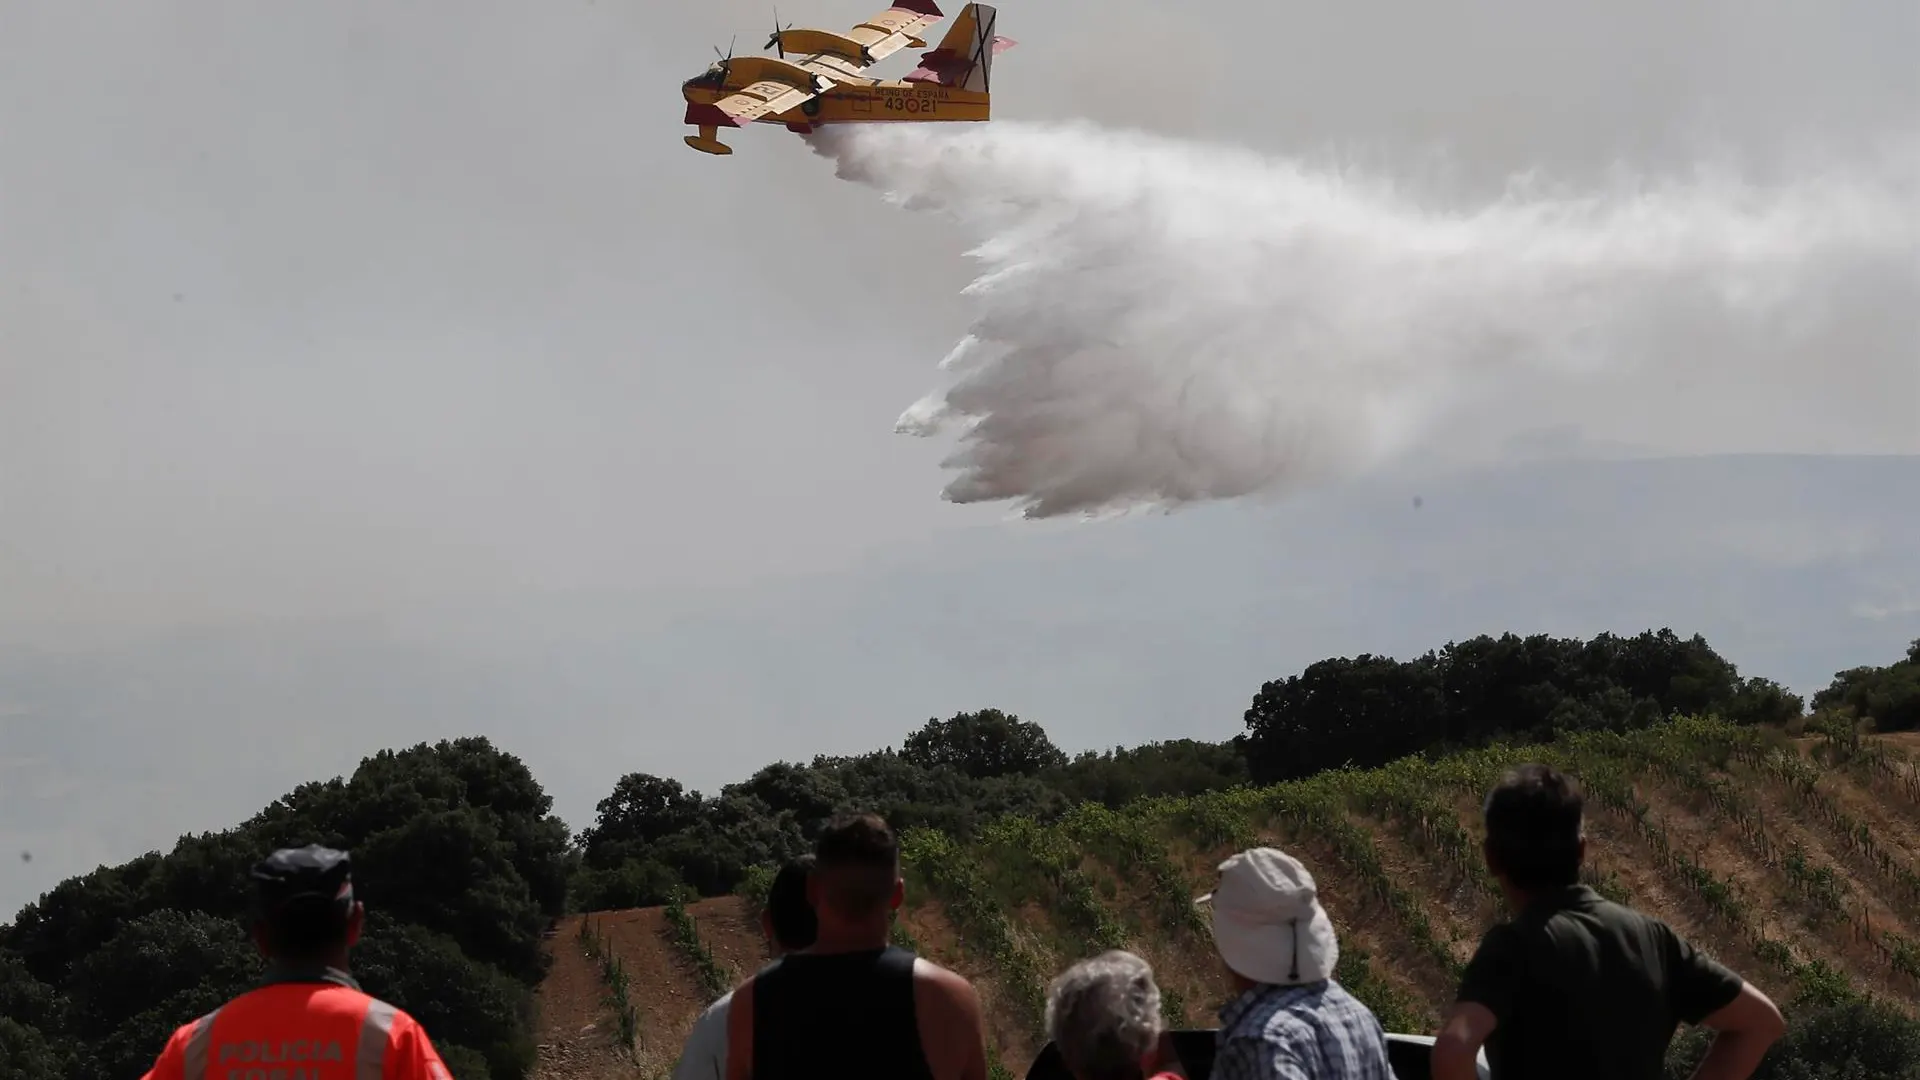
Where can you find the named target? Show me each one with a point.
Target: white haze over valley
(372, 374)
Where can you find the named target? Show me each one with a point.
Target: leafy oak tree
(457, 855)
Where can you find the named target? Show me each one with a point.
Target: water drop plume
(1160, 322)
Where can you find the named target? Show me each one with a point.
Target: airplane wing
(812, 61)
(896, 28)
(751, 102)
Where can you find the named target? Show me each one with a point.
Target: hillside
(1786, 840)
(1797, 860)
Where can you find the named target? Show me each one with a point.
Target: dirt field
(576, 1031)
(579, 1031)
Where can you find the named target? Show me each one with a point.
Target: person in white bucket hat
(1291, 1019)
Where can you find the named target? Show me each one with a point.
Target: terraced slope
(1795, 860)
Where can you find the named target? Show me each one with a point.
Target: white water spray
(1161, 322)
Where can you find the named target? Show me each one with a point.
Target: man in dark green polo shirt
(1577, 987)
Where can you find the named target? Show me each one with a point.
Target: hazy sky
(372, 372)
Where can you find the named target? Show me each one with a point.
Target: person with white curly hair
(1103, 1015)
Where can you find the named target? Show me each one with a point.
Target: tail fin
(964, 59)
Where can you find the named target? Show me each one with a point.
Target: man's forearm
(1733, 1056)
(1454, 1060)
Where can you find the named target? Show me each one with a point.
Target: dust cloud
(1158, 322)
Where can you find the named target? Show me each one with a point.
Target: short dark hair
(303, 900)
(306, 930)
(857, 859)
(794, 923)
(1533, 818)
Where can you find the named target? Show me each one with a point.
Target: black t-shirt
(1587, 989)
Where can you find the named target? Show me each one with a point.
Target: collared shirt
(1316, 1031)
(1582, 988)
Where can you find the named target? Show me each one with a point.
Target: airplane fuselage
(876, 101)
(820, 76)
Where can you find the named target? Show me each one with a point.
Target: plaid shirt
(1312, 1032)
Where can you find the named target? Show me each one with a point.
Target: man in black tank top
(853, 1007)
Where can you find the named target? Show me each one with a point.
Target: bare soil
(1460, 912)
(577, 1035)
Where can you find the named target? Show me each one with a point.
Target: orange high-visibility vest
(326, 1029)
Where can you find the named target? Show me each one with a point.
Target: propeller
(773, 39)
(727, 60)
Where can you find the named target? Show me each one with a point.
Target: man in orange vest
(309, 1020)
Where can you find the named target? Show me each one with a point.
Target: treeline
(651, 835)
(1887, 697)
(456, 854)
(463, 866)
(1369, 710)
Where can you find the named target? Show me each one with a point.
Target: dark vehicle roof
(1411, 1060)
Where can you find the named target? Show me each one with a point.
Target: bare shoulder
(952, 1027)
(934, 981)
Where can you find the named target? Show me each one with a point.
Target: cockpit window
(714, 76)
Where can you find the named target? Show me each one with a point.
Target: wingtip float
(819, 76)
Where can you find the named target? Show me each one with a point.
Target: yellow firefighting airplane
(824, 81)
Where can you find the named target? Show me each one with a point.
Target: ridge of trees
(456, 853)
(651, 835)
(1887, 697)
(464, 867)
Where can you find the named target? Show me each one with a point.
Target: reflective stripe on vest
(369, 1060)
(376, 1029)
(200, 1047)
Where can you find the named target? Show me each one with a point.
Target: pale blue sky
(371, 373)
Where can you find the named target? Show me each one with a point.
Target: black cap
(309, 877)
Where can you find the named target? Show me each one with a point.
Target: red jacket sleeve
(410, 1054)
(171, 1064)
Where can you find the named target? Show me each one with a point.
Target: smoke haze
(1159, 322)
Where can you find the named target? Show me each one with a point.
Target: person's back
(789, 924)
(852, 1005)
(330, 1029)
(1317, 1030)
(1577, 987)
(803, 1005)
(309, 1018)
(1290, 1020)
(1590, 989)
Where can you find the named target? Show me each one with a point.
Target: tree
(26, 1055)
(809, 796)
(643, 809)
(1360, 711)
(455, 852)
(1859, 1040)
(451, 871)
(1370, 709)
(1888, 696)
(459, 1002)
(153, 958)
(983, 744)
(1763, 701)
(1176, 767)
